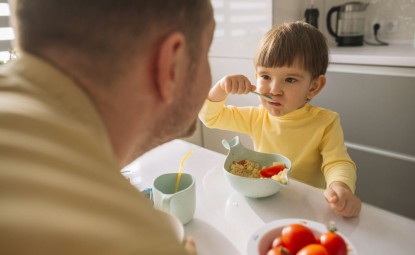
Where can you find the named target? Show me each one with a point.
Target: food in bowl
(247, 168)
(298, 237)
(253, 187)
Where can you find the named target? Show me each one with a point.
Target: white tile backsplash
(240, 24)
(401, 11)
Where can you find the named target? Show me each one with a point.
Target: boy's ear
(169, 62)
(316, 86)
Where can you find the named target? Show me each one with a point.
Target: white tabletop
(225, 220)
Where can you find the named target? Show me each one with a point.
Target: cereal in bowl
(245, 168)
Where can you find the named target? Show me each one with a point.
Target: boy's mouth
(274, 103)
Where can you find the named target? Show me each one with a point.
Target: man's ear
(316, 86)
(170, 61)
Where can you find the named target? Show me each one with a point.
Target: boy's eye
(290, 80)
(265, 77)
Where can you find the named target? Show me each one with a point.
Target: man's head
(107, 30)
(284, 44)
(144, 63)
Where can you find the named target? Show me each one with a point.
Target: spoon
(266, 98)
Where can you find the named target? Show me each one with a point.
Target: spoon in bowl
(266, 98)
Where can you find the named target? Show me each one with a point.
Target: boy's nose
(276, 89)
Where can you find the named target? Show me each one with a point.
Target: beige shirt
(61, 191)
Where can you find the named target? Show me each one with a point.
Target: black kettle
(350, 23)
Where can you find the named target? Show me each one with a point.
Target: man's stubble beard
(178, 121)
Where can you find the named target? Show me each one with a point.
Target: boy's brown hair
(285, 43)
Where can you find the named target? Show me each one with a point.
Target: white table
(225, 220)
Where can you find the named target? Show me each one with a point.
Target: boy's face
(289, 87)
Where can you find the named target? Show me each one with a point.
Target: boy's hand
(232, 84)
(342, 200)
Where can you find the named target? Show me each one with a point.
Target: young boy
(291, 63)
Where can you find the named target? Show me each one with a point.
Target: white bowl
(252, 187)
(260, 242)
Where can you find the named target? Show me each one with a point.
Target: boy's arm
(340, 173)
(217, 94)
(337, 164)
(233, 84)
(215, 115)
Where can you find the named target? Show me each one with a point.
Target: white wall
(240, 24)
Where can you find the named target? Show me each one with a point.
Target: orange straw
(179, 175)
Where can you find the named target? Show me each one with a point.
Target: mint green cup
(181, 204)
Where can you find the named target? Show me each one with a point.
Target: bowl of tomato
(254, 174)
(299, 237)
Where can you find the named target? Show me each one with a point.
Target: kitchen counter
(225, 220)
(391, 60)
(394, 55)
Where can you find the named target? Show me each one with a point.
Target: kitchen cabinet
(377, 113)
(373, 89)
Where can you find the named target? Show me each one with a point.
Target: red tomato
(313, 249)
(268, 172)
(296, 236)
(333, 243)
(279, 250)
(277, 242)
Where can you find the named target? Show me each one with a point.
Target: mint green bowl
(252, 187)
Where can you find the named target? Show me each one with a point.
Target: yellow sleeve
(337, 164)
(227, 117)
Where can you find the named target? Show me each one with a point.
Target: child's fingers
(352, 207)
(349, 210)
(237, 84)
(242, 85)
(338, 203)
(330, 195)
(231, 85)
(346, 203)
(341, 205)
(246, 87)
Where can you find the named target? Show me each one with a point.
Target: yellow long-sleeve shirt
(311, 137)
